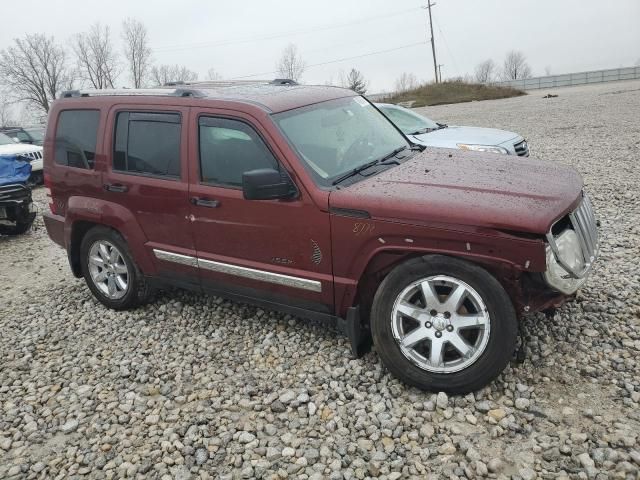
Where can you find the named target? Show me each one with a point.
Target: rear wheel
(110, 271)
(443, 324)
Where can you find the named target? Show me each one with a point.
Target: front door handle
(205, 202)
(116, 187)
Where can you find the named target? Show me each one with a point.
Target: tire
(136, 292)
(485, 320)
(36, 178)
(19, 228)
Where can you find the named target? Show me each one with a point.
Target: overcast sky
(241, 38)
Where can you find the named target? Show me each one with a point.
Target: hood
(18, 148)
(454, 187)
(450, 137)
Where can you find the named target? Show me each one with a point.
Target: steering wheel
(358, 150)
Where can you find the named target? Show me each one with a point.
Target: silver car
(424, 131)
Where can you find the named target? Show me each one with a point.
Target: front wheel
(443, 324)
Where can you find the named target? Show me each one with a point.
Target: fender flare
(88, 211)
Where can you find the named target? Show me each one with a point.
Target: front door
(275, 250)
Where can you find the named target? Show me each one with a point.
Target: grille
(14, 193)
(30, 156)
(522, 148)
(585, 225)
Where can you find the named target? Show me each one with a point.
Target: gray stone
(442, 401)
(69, 426)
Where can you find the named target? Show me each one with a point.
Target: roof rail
(158, 92)
(230, 83)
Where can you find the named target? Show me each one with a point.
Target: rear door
(148, 176)
(274, 250)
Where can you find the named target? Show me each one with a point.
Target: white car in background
(424, 131)
(26, 152)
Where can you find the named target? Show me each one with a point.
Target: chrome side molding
(175, 258)
(238, 271)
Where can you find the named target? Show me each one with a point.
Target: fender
(110, 214)
(357, 243)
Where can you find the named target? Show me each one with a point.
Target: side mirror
(267, 184)
(16, 139)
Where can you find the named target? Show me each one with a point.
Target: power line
(446, 44)
(339, 59)
(167, 48)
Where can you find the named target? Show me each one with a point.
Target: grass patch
(452, 92)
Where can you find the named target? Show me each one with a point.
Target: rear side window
(76, 134)
(147, 144)
(228, 148)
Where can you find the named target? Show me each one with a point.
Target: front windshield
(6, 140)
(36, 133)
(407, 121)
(339, 135)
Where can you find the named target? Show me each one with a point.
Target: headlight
(570, 253)
(483, 148)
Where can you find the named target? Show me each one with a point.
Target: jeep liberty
(309, 200)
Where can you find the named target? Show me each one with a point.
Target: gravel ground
(198, 387)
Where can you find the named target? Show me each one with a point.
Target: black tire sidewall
(502, 336)
(131, 298)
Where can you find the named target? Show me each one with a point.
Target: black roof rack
(142, 92)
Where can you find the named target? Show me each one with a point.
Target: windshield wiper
(363, 167)
(442, 125)
(423, 130)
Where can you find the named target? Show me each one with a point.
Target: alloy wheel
(441, 324)
(108, 269)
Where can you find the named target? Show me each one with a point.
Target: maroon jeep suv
(307, 199)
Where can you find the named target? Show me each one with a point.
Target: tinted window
(148, 143)
(76, 134)
(228, 148)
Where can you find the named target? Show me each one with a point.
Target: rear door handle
(205, 202)
(116, 187)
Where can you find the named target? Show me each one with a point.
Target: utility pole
(433, 43)
(440, 65)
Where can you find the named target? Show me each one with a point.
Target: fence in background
(568, 79)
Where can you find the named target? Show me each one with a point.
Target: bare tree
(356, 82)
(485, 71)
(96, 57)
(163, 74)
(515, 66)
(6, 111)
(291, 65)
(213, 75)
(405, 82)
(34, 69)
(136, 50)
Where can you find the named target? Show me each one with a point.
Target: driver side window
(228, 149)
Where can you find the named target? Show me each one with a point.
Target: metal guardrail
(569, 79)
